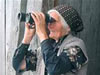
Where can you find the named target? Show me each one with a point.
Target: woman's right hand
(29, 33)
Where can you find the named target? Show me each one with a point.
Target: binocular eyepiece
(26, 17)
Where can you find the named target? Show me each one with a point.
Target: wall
(15, 29)
(2, 38)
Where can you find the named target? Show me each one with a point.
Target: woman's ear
(68, 29)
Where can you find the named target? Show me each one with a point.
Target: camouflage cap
(71, 16)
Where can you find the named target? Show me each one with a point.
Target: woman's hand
(29, 33)
(40, 25)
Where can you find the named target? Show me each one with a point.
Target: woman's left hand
(40, 25)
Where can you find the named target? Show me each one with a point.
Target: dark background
(89, 10)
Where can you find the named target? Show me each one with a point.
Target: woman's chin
(51, 36)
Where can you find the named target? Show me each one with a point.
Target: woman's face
(56, 28)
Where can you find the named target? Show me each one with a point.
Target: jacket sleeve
(57, 65)
(22, 53)
(19, 55)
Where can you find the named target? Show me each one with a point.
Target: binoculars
(26, 17)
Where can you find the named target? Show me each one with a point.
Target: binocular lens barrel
(23, 17)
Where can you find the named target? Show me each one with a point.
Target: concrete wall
(15, 29)
(2, 39)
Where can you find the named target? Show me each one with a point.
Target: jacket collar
(67, 37)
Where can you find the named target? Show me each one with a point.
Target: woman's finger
(34, 17)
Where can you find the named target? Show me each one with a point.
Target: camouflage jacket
(67, 57)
